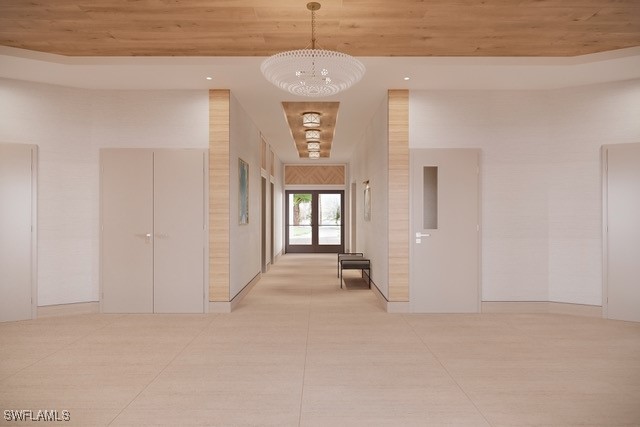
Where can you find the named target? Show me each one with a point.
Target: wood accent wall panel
(219, 239)
(398, 195)
(314, 175)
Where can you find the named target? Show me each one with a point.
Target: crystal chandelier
(312, 72)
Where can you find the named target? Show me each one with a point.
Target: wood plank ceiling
(357, 27)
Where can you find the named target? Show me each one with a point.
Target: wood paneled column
(398, 159)
(219, 195)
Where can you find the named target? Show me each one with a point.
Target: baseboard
(219, 307)
(541, 307)
(386, 305)
(398, 307)
(276, 258)
(243, 293)
(382, 301)
(229, 306)
(69, 309)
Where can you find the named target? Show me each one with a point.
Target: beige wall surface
(245, 240)
(369, 163)
(72, 125)
(540, 179)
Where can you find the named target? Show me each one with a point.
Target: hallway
(301, 351)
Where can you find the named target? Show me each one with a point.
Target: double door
(314, 221)
(153, 231)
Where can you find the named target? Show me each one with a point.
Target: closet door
(17, 228)
(127, 230)
(179, 231)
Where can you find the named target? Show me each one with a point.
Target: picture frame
(243, 192)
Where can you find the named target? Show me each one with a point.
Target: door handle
(162, 236)
(146, 237)
(419, 235)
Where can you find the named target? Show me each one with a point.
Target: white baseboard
(541, 307)
(389, 306)
(68, 309)
(229, 306)
(398, 307)
(219, 307)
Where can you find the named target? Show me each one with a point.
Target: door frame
(314, 247)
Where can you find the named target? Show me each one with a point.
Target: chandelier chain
(313, 29)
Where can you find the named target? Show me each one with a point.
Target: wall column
(398, 218)
(219, 239)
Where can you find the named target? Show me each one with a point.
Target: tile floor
(301, 352)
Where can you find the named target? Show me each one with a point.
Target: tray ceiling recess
(328, 115)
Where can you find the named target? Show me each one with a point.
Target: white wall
(278, 202)
(69, 126)
(369, 161)
(246, 240)
(541, 191)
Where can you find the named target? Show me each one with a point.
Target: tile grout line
(446, 370)
(164, 368)
(306, 352)
(60, 349)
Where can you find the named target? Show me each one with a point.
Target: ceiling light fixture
(311, 119)
(407, 78)
(314, 155)
(312, 135)
(312, 72)
(209, 78)
(313, 146)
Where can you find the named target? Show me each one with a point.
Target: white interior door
(444, 263)
(127, 230)
(17, 231)
(179, 231)
(622, 232)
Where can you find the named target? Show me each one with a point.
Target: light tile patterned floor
(301, 351)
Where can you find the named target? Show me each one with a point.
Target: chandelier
(312, 72)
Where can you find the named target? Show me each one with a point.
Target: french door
(314, 221)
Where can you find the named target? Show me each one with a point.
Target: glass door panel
(329, 219)
(300, 219)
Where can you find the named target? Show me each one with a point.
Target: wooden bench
(355, 263)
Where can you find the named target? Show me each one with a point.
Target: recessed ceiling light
(407, 78)
(209, 78)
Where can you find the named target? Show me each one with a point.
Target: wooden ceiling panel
(359, 27)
